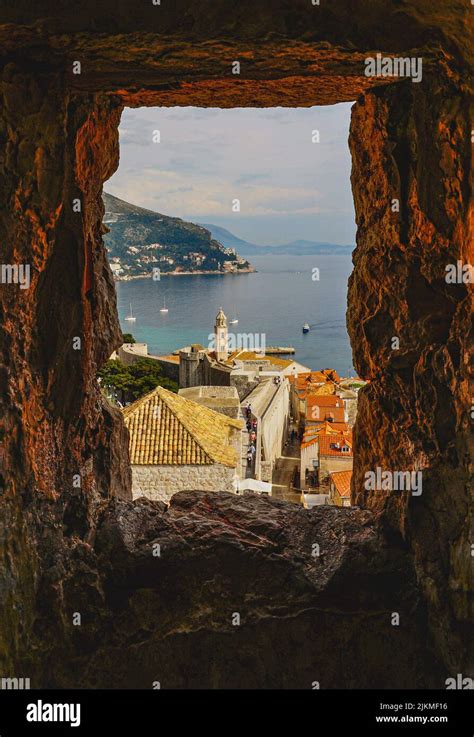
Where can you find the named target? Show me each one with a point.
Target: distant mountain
(141, 240)
(295, 248)
(230, 240)
(308, 248)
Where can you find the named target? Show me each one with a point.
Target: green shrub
(128, 383)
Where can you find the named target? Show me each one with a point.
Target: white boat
(130, 318)
(235, 319)
(164, 308)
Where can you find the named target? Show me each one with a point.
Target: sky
(289, 188)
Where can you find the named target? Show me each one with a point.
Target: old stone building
(335, 454)
(199, 367)
(232, 359)
(223, 399)
(176, 444)
(221, 334)
(307, 387)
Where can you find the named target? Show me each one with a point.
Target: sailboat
(130, 318)
(235, 319)
(164, 308)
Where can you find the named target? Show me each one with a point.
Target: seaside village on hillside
(242, 422)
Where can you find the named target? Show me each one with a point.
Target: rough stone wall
(170, 369)
(266, 471)
(412, 142)
(130, 353)
(159, 483)
(273, 423)
(190, 369)
(350, 406)
(215, 374)
(244, 384)
(60, 444)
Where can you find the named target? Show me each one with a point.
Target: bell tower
(221, 336)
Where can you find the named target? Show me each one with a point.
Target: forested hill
(140, 240)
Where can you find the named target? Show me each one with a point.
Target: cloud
(173, 194)
(264, 157)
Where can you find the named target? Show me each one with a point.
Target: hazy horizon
(289, 187)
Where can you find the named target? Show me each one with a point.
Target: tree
(128, 338)
(129, 383)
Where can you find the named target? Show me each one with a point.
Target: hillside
(230, 240)
(141, 240)
(294, 248)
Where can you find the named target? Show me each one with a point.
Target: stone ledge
(302, 618)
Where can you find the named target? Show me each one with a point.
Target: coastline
(149, 275)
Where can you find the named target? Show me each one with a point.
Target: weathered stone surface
(409, 143)
(303, 618)
(146, 619)
(291, 52)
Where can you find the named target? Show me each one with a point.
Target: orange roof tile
(324, 401)
(310, 441)
(325, 414)
(321, 389)
(316, 376)
(313, 432)
(241, 355)
(309, 377)
(325, 427)
(342, 482)
(331, 374)
(320, 409)
(326, 443)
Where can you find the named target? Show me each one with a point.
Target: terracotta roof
(324, 401)
(323, 375)
(331, 374)
(313, 432)
(305, 378)
(321, 389)
(326, 414)
(166, 428)
(342, 482)
(326, 441)
(325, 427)
(310, 440)
(321, 408)
(242, 355)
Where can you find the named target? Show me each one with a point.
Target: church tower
(221, 336)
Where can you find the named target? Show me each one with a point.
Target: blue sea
(275, 301)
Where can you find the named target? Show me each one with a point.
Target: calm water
(276, 301)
